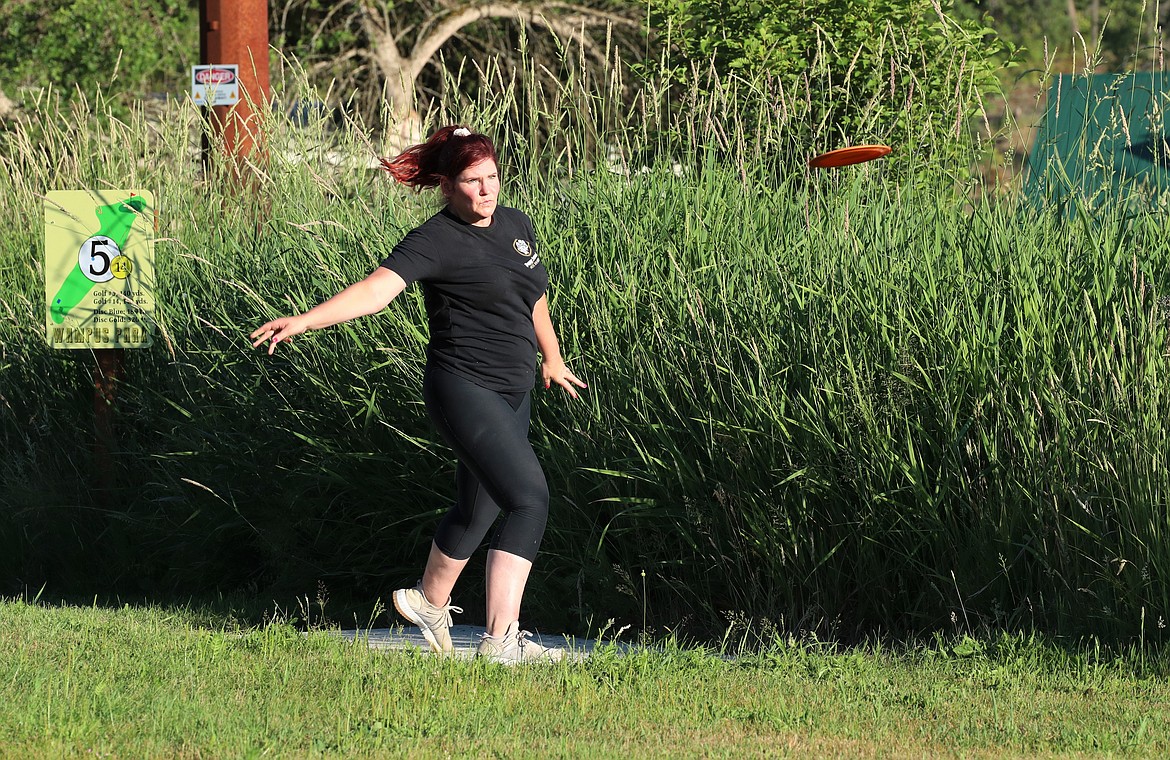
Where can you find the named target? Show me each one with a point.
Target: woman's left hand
(555, 371)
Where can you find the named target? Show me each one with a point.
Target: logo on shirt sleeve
(524, 248)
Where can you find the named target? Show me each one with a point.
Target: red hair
(445, 154)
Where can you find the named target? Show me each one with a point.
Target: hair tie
(462, 132)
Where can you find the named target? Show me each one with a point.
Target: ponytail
(445, 154)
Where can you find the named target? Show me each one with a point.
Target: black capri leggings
(497, 471)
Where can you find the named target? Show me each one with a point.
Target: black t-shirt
(479, 286)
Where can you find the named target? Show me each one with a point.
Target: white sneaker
(434, 622)
(516, 647)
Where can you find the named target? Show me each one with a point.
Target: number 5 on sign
(99, 268)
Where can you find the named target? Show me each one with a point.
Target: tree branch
(431, 40)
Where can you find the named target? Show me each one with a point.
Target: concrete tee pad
(466, 640)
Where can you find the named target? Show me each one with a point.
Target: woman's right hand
(277, 330)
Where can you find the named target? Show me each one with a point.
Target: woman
(484, 289)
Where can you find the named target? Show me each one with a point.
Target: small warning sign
(215, 84)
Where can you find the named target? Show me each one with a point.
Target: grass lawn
(177, 682)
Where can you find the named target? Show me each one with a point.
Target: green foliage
(877, 69)
(1115, 34)
(80, 45)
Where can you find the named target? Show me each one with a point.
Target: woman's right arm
(367, 296)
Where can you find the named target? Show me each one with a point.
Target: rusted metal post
(236, 31)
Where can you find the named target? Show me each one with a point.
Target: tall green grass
(844, 402)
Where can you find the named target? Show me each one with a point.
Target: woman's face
(472, 194)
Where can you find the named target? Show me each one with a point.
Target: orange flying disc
(847, 156)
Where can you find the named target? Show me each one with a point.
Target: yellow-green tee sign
(99, 268)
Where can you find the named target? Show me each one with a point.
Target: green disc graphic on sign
(99, 268)
(97, 254)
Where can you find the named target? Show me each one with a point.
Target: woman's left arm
(553, 365)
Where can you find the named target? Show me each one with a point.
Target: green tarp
(1103, 141)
